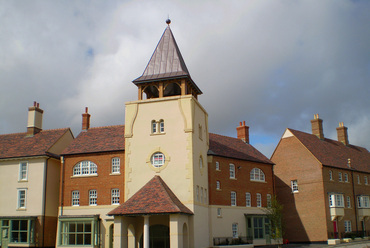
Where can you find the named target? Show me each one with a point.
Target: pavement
(354, 244)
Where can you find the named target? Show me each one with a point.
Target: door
(4, 237)
(335, 228)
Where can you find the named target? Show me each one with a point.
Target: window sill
(233, 178)
(115, 174)
(23, 181)
(257, 181)
(154, 134)
(81, 176)
(218, 189)
(21, 209)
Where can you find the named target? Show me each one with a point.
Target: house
(29, 183)
(323, 184)
(172, 166)
(92, 184)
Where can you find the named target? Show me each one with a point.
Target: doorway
(4, 237)
(159, 237)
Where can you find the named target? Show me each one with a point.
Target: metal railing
(232, 241)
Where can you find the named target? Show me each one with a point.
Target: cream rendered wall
(182, 146)
(62, 143)
(9, 183)
(52, 186)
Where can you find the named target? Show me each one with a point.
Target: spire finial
(168, 21)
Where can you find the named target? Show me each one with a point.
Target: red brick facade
(241, 184)
(103, 182)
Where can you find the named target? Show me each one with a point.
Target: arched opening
(151, 91)
(111, 230)
(131, 236)
(159, 237)
(185, 236)
(172, 89)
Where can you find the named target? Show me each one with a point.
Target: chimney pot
(342, 134)
(243, 132)
(34, 124)
(85, 120)
(317, 128)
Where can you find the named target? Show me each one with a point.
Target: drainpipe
(62, 187)
(44, 200)
(355, 200)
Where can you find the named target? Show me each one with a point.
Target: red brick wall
(241, 184)
(103, 182)
(305, 217)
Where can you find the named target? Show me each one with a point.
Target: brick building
(92, 184)
(323, 184)
(29, 183)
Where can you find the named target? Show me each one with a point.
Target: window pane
(87, 239)
(80, 227)
(80, 239)
(23, 225)
(72, 239)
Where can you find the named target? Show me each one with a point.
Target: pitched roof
(98, 139)
(235, 148)
(20, 145)
(334, 153)
(155, 197)
(166, 62)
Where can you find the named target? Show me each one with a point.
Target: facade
(323, 185)
(170, 198)
(29, 183)
(92, 184)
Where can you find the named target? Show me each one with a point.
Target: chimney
(85, 120)
(243, 132)
(34, 124)
(317, 127)
(342, 134)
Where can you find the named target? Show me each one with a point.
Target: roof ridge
(46, 130)
(119, 125)
(168, 190)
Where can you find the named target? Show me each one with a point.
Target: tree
(274, 212)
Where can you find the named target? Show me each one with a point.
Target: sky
(273, 64)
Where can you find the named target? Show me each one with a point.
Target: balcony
(364, 213)
(336, 213)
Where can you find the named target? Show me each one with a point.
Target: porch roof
(153, 198)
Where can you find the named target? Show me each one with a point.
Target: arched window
(154, 126)
(85, 168)
(161, 126)
(257, 175)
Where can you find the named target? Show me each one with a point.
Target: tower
(166, 141)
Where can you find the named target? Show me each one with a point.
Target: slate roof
(235, 148)
(98, 139)
(155, 197)
(166, 62)
(19, 145)
(334, 153)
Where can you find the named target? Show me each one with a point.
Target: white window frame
(158, 159)
(257, 174)
(294, 185)
(248, 200)
(75, 198)
(218, 185)
(154, 126)
(336, 200)
(161, 126)
(23, 173)
(348, 201)
(233, 198)
(340, 177)
(93, 197)
(358, 179)
(219, 212)
(268, 200)
(85, 168)
(330, 175)
(115, 196)
(232, 171)
(346, 177)
(22, 198)
(363, 201)
(347, 226)
(259, 200)
(116, 165)
(365, 180)
(217, 166)
(235, 230)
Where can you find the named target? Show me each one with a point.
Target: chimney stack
(342, 134)
(243, 132)
(85, 120)
(34, 124)
(317, 127)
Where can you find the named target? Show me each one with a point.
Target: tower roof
(166, 62)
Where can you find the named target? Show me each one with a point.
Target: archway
(159, 237)
(111, 231)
